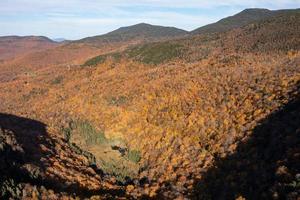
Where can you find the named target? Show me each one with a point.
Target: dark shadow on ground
(263, 167)
(20, 140)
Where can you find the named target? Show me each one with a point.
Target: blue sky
(74, 19)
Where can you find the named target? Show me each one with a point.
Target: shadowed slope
(265, 166)
(26, 154)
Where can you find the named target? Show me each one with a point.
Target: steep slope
(243, 18)
(138, 32)
(14, 46)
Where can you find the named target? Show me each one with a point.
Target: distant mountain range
(148, 32)
(12, 46)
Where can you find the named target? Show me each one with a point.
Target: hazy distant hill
(59, 39)
(12, 46)
(141, 32)
(243, 18)
(27, 38)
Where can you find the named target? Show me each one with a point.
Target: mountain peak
(243, 18)
(145, 27)
(143, 24)
(256, 10)
(141, 31)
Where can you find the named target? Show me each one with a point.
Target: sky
(75, 19)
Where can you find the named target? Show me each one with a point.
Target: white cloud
(73, 5)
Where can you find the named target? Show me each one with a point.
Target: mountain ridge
(246, 16)
(27, 37)
(12, 46)
(240, 19)
(141, 31)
